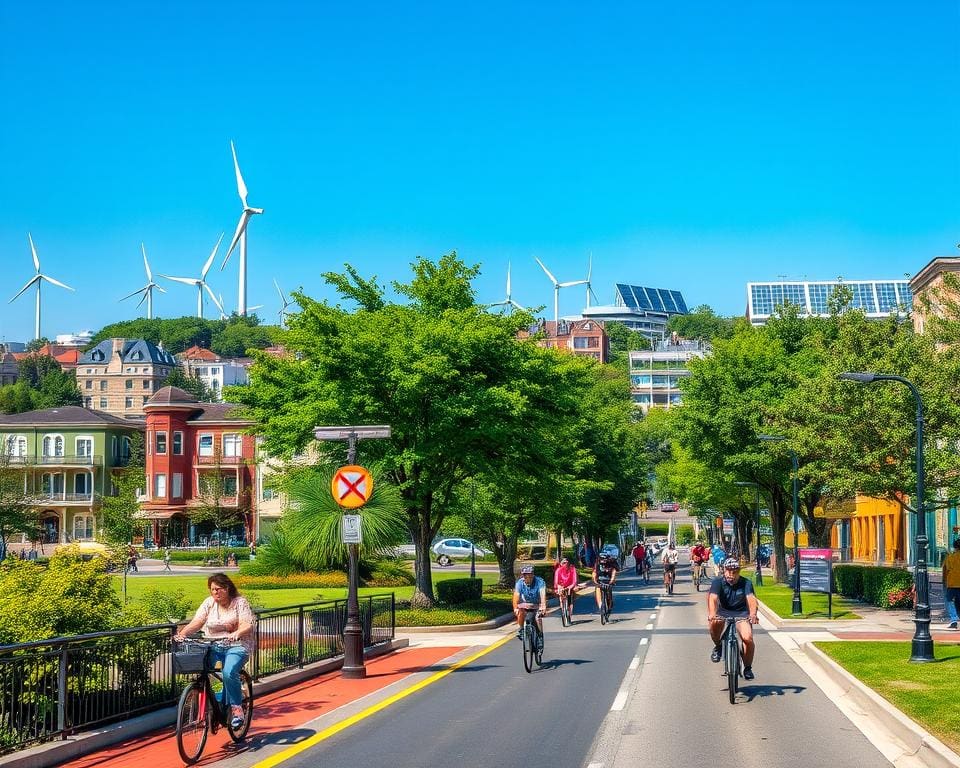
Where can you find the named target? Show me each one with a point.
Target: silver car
(446, 549)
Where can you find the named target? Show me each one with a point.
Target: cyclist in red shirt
(565, 580)
(699, 555)
(639, 555)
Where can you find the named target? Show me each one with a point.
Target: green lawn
(779, 599)
(925, 692)
(195, 589)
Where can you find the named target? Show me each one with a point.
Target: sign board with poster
(816, 573)
(351, 529)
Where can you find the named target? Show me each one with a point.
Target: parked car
(446, 549)
(613, 550)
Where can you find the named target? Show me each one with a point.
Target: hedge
(458, 591)
(329, 579)
(887, 588)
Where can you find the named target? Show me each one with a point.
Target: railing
(86, 460)
(52, 688)
(223, 461)
(53, 497)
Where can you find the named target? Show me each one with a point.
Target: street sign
(727, 527)
(351, 529)
(351, 486)
(816, 573)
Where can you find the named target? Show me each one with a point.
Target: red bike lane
(279, 718)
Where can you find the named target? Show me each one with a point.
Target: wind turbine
(589, 285)
(223, 311)
(556, 289)
(201, 282)
(38, 279)
(507, 302)
(240, 236)
(147, 290)
(284, 304)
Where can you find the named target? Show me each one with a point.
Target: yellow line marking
(326, 733)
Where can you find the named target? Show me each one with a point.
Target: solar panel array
(651, 299)
(874, 297)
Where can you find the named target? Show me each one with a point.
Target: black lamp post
(756, 487)
(797, 605)
(473, 531)
(921, 649)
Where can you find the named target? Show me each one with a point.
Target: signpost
(817, 574)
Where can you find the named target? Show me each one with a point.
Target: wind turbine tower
(201, 282)
(38, 279)
(556, 289)
(147, 290)
(240, 236)
(508, 301)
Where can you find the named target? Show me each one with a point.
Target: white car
(446, 549)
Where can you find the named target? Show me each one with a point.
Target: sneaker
(519, 634)
(748, 673)
(236, 722)
(716, 654)
(952, 625)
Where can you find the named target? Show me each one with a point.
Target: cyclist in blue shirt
(530, 590)
(718, 555)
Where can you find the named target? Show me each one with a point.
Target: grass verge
(472, 612)
(924, 692)
(779, 599)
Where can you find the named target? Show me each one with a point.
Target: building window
(88, 402)
(268, 494)
(214, 371)
(145, 399)
(230, 486)
(89, 370)
(103, 402)
(205, 445)
(88, 384)
(161, 443)
(53, 445)
(103, 385)
(81, 484)
(128, 384)
(85, 446)
(160, 486)
(178, 443)
(128, 402)
(146, 383)
(177, 485)
(16, 445)
(232, 445)
(83, 527)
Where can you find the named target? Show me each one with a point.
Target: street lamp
(797, 606)
(473, 530)
(353, 666)
(756, 487)
(921, 649)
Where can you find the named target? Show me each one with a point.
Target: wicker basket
(190, 658)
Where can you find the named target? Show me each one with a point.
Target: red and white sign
(351, 486)
(816, 554)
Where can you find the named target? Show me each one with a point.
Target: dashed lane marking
(649, 626)
(620, 702)
(653, 615)
(635, 662)
(644, 640)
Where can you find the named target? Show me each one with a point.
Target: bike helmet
(732, 564)
(526, 569)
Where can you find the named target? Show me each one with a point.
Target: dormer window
(97, 355)
(138, 355)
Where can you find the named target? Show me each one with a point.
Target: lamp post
(353, 666)
(756, 487)
(473, 531)
(921, 649)
(797, 605)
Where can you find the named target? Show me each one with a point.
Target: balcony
(56, 461)
(57, 499)
(223, 461)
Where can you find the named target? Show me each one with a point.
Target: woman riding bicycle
(565, 583)
(226, 616)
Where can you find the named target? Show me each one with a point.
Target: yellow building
(867, 529)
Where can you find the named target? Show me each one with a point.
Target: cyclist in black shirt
(731, 596)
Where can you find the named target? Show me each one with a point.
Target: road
(490, 712)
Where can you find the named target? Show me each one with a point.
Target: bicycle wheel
(564, 617)
(246, 688)
(733, 663)
(529, 647)
(192, 724)
(604, 611)
(539, 653)
(696, 578)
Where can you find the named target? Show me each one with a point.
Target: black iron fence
(52, 688)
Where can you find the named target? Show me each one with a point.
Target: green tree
(17, 514)
(240, 334)
(701, 323)
(622, 341)
(35, 344)
(119, 513)
(192, 385)
(17, 398)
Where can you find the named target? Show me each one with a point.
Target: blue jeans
(951, 596)
(233, 659)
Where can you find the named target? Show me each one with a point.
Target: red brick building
(197, 457)
(581, 337)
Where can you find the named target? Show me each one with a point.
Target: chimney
(115, 364)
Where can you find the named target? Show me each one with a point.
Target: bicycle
(698, 574)
(606, 596)
(532, 637)
(564, 597)
(199, 711)
(730, 642)
(669, 576)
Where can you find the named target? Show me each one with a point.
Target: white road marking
(653, 615)
(595, 765)
(644, 640)
(620, 702)
(649, 626)
(635, 662)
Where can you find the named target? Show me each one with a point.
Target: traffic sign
(351, 529)
(351, 486)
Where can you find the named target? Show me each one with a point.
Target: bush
(654, 529)
(458, 591)
(848, 580)
(390, 573)
(468, 613)
(200, 555)
(888, 588)
(329, 579)
(684, 534)
(156, 606)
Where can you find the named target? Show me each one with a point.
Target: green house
(67, 456)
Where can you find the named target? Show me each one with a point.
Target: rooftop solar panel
(626, 295)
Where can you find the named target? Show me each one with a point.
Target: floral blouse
(220, 622)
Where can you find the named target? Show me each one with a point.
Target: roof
(131, 351)
(174, 397)
(67, 415)
(62, 354)
(933, 269)
(567, 327)
(651, 299)
(199, 353)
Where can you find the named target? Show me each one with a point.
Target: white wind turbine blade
(131, 295)
(517, 306)
(158, 287)
(142, 298)
(30, 282)
(572, 283)
(213, 298)
(184, 280)
(241, 187)
(282, 297)
(508, 281)
(255, 306)
(552, 278)
(241, 226)
(55, 282)
(146, 263)
(33, 250)
(213, 254)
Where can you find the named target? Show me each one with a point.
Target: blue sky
(687, 145)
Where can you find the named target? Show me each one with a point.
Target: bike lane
(280, 718)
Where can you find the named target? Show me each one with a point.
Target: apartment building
(583, 337)
(876, 298)
(214, 371)
(67, 456)
(655, 374)
(119, 376)
(930, 290)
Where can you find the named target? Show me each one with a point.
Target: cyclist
(731, 596)
(565, 581)
(718, 554)
(226, 615)
(698, 557)
(639, 555)
(670, 558)
(605, 574)
(531, 589)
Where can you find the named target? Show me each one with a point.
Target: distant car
(446, 549)
(611, 549)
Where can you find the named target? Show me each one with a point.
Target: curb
(916, 741)
(494, 623)
(54, 753)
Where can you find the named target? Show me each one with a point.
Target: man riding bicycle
(529, 590)
(639, 555)
(565, 583)
(670, 558)
(605, 576)
(732, 596)
(698, 557)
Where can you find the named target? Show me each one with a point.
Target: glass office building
(877, 298)
(641, 309)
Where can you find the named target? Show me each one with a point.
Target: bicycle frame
(732, 656)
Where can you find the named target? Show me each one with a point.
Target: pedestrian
(32, 554)
(131, 559)
(718, 554)
(951, 584)
(166, 560)
(253, 551)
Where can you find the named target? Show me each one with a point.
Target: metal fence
(52, 688)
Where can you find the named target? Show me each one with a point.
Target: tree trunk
(559, 535)
(778, 522)
(422, 538)
(506, 556)
(818, 528)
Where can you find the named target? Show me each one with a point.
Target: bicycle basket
(190, 658)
